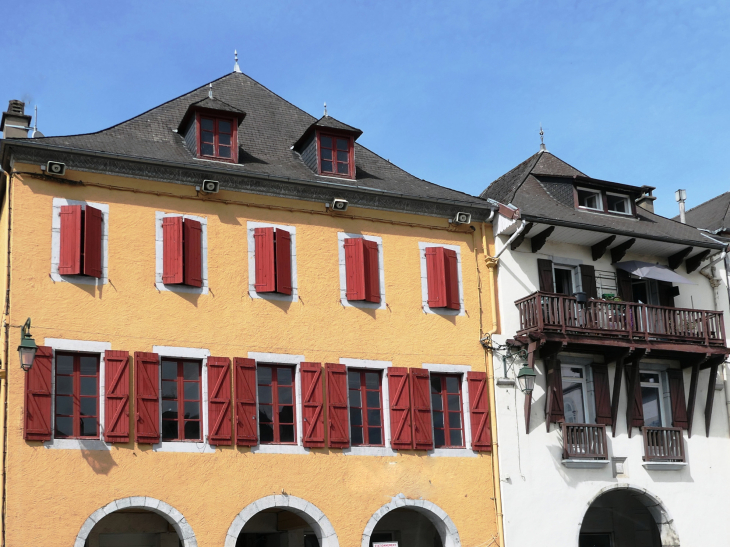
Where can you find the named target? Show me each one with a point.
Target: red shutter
(312, 405)
(92, 242)
(554, 402)
(219, 401)
(676, 394)
(37, 423)
(192, 253)
(481, 426)
(602, 394)
(264, 257)
(69, 262)
(545, 274)
(283, 261)
(399, 392)
(451, 269)
(245, 387)
(436, 277)
(421, 404)
(116, 397)
(338, 427)
(147, 397)
(372, 271)
(355, 268)
(172, 250)
(637, 419)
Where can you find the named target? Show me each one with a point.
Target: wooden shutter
(116, 396)
(245, 388)
(667, 292)
(421, 405)
(283, 261)
(601, 390)
(312, 405)
(481, 426)
(638, 416)
(192, 253)
(451, 271)
(219, 401)
(545, 274)
(147, 397)
(264, 258)
(399, 393)
(69, 262)
(37, 422)
(623, 283)
(371, 270)
(338, 427)
(355, 268)
(436, 277)
(555, 412)
(172, 250)
(676, 394)
(588, 280)
(93, 220)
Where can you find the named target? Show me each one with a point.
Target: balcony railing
(550, 312)
(663, 444)
(584, 441)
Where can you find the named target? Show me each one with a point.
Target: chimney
(681, 197)
(646, 201)
(15, 124)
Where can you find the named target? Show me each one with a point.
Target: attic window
(618, 203)
(335, 155)
(590, 199)
(217, 138)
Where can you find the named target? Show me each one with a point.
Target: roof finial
(542, 140)
(236, 68)
(325, 111)
(210, 91)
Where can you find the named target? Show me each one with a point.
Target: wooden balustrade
(584, 441)
(663, 444)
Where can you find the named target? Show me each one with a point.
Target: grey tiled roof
(713, 215)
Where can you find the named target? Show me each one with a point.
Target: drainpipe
(510, 240)
(3, 371)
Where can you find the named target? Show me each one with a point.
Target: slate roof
(713, 215)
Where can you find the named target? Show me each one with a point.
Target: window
(574, 394)
(273, 260)
(335, 155)
(362, 270)
(618, 203)
(77, 396)
(563, 280)
(79, 241)
(651, 398)
(181, 400)
(590, 199)
(217, 138)
(366, 408)
(276, 399)
(448, 423)
(442, 273)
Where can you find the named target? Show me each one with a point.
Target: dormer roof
(211, 105)
(328, 122)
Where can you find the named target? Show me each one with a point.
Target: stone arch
(308, 511)
(438, 517)
(166, 511)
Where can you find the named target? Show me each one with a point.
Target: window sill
(77, 444)
(664, 466)
(182, 288)
(453, 453)
(575, 463)
(80, 279)
(279, 449)
(369, 451)
(184, 446)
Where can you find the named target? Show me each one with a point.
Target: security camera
(462, 218)
(211, 186)
(339, 205)
(56, 168)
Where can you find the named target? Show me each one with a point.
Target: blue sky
(454, 92)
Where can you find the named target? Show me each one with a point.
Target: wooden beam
(618, 252)
(617, 391)
(653, 345)
(676, 259)
(539, 240)
(692, 395)
(633, 382)
(694, 262)
(520, 238)
(531, 351)
(711, 395)
(599, 249)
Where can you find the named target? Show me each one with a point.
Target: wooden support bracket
(694, 262)
(539, 240)
(618, 252)
(520, 238)
(599, 249)
(677, 258)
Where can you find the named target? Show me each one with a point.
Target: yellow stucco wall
(50, 492)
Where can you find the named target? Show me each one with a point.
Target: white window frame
(626, 199)
(294, 296)
(661, 387)
(341, 236)
(600, 199)
(572, 264)
(56, 243)
(422, 245)
(159, 255)
(588, 415)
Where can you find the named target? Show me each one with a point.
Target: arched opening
(276, 527)
(406, 527)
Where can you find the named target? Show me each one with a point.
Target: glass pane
(452, 384)
(64, 427)
(648, 378)
(343, 168)
(342, 144)
(456, 438)
(266, 414)
(438, 419)
(436, 402)
(206, 149)
(343, 157)
(169, 430)
(65, 405)
(438, 437)
(169, 390)
(207, 137)
(169, 410)
(283, 376)
(652, 410)
(265, 395)
(374, 435)
(192, 410)
(572, 372)
(191, 371)
(454, 420)
(454, 403)
(327, 166)
(224, 151)
(88, 365)
(88, 406)
(355, 416)
(286, 433)
(326, 154)
(192, 392)
(372, 380)
(169, 370)
(286, 414)
(618, 204)
(64, 364)
(88, 386)
(65, 385)
(206, 123)
(573, 403)
(356, 436)
(224, 140)
(266, 432)
(326, 142)
(373, 399)
(224, 127)
(353, 380)
(589, 198)
(192, 430)
(285, 395)
(374, 417)
(435, 384)
(264, 375)
(355, 399)
(88, 427)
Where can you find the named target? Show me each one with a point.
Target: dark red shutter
(264, 257)
(451, 270)
(172, 250)
(69, 262)
(625, 291)
(436, 277)
(555, 410)
(245, 387)
(355, 268)
(283, 261)
(372, 271)
(676, 394)
(219, 401)
(92, 242)
(481, 426)
(667, 292)
(312, 405)
(338, 429)
(399, 392)
(588, 281)
(147, 397)
(116, 397)
(421, 405)
(638, 416)
(37, 423)
(192, 253)
(545, 274)
(602, 393)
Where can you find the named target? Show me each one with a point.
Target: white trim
(341, 236)
(600, 199)
(424, 280)
(626, 199)
(56, 243)
(294, 296)
(159, 244)
(587, 418)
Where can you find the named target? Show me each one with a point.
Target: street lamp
(526, 378)
(27, 347)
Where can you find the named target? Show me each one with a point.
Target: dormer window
(335, 155)
(210, 130)
(327, 147)
(590, 199)
(618, 203)
(216, 137)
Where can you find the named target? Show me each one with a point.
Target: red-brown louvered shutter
(602, 394)
(37, 423)
(172, 250)
(545, 274)
(283, 261)
(451, 270)
(554, 401)
(372, 271)
(355, 268)
(625, 289)
(116, 397)
(264, 257)
(93, 220)
(245, 387)
(147, 397)
(338, 426)
(69, 262)
(481, 426)
(399, 392)
(637, 419)
(588, 280)
(192, 253)
(436, 277)
(421, 405)
(676, 394)
(219, 401)
(312, 405)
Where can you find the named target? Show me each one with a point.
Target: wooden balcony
(663, 444)
(584, 442)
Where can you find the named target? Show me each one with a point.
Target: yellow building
(269, 344)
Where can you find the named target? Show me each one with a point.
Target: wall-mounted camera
(461, 218)
(339, 205)
(56, 168)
